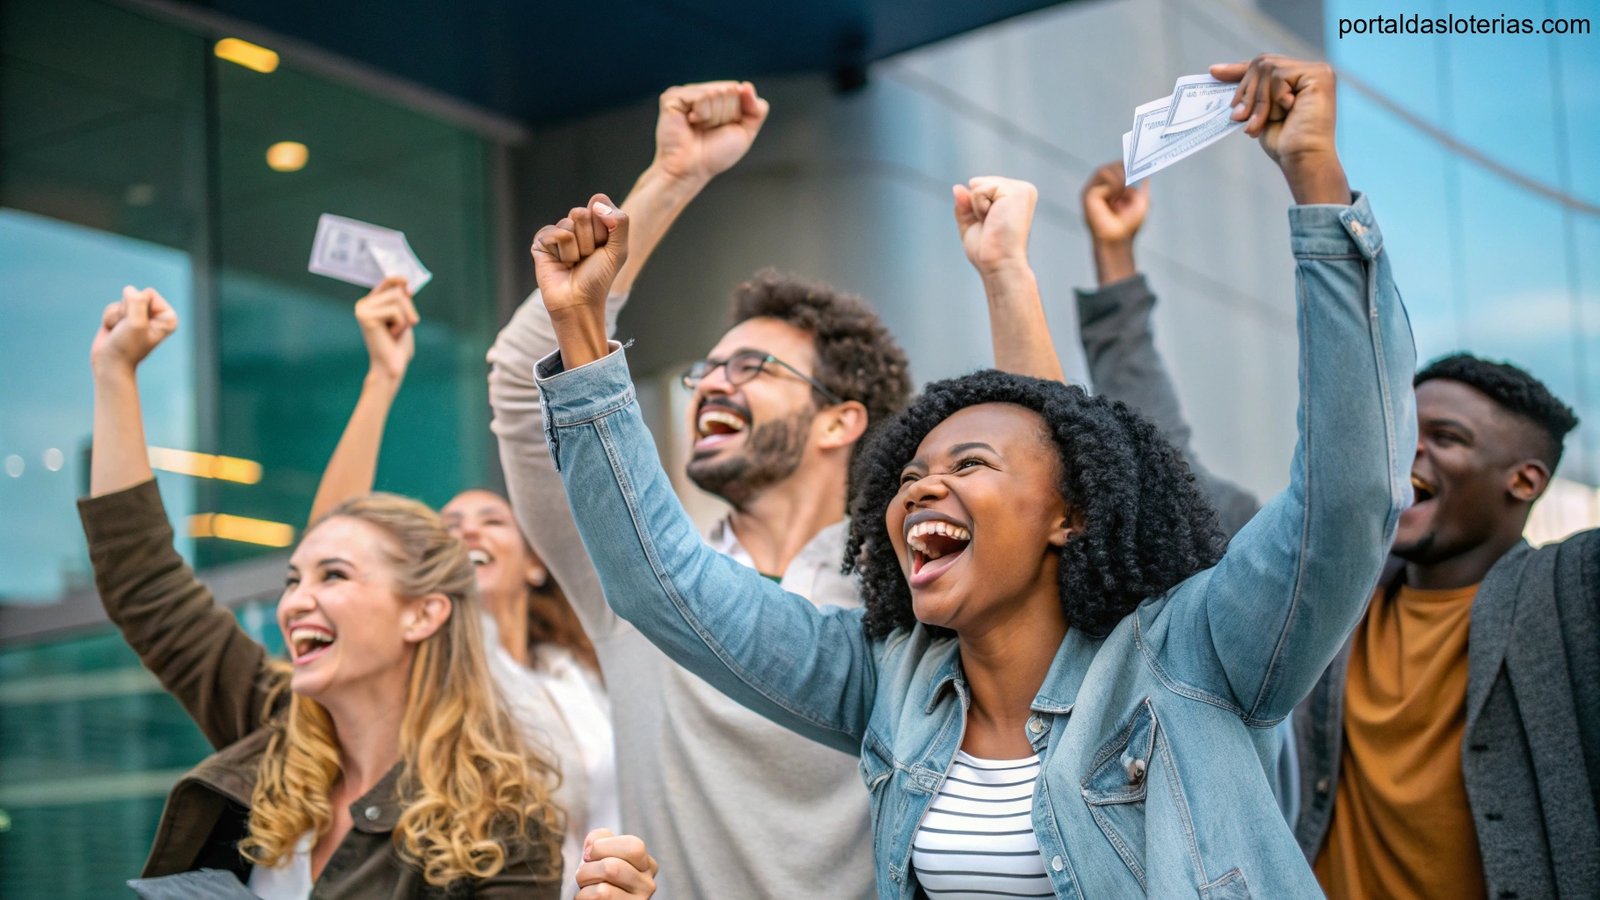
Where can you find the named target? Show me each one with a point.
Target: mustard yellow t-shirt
(1401, 825)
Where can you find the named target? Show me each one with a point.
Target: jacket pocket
(1230, 886)
(1114, 789)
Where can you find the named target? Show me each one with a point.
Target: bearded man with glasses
(731, 804)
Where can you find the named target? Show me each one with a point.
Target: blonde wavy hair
(471, 788)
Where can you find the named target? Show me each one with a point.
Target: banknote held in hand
(364, 254)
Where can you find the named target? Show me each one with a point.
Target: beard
(772, 452)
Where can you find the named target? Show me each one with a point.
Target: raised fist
(703, 129)
(577, 259)
(994, 216)
(132, 327)
(387, 317)
(1290, 105)
(1113, 211)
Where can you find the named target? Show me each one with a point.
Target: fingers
(136, 306)
(583, 229)
(965, 216)
(709, 104)
(616, 225)
(614, 863)
(163, 315)
(112, 315)
(752, 108)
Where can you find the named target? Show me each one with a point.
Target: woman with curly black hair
(1061, 685)
(1140, 525)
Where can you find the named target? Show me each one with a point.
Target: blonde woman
(539, 655)
(378, 762)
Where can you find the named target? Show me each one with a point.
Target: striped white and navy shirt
(977, 839)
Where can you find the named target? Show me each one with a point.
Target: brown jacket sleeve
(169, 618)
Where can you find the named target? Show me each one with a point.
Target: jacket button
(372, 813)
(1322, 785)
(1057, 863)
(1035, 725)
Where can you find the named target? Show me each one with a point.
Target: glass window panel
(291, 359)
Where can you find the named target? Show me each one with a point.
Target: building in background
(136, 146)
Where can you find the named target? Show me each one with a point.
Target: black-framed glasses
(745, 365)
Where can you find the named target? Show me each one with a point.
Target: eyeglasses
(745, 365)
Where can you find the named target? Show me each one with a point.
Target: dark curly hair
(1147, 526)
(1515, 391)
(857, 359)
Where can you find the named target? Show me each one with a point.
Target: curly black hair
(857, 358)
(1513, 390)
(1147, 526)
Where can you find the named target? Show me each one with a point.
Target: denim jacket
(1155, 740)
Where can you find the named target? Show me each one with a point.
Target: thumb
(616, 222)
(966, 216)
(588, 841)
(138, 306)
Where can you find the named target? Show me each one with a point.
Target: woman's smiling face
(979, 518)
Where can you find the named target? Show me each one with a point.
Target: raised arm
(1114, 324)
(387, 318)
(723, 621)
(994, 216)
(1257, 630)
(701, 131)
(196, 649)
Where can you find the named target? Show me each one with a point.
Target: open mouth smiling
(307, 642)
(936, 542)
(1422, 489)
(718, 424)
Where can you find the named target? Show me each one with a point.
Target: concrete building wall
(855, 189)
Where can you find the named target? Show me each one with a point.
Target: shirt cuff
(1097, 304)
(130, 512)
(589, 392)
(1328, 229)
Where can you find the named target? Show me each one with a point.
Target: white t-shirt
(291, 881)
(977, 840)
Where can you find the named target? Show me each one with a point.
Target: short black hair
(857, 358)
(1147, 526)
(1513, 390)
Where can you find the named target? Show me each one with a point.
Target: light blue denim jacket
(1155, 739)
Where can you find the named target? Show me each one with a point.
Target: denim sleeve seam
(572, 420)
(1376, 346)
(664, 578)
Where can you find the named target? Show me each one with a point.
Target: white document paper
(364, 254)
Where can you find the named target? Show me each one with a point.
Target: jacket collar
(231, 772)
(1489, 633)
(1060, 688)
(378, 810)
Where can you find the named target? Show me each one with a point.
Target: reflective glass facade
(1482, 156)
(130, 153)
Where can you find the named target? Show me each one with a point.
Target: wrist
(382, 379)
(1008, 281)
(1009, 268)
(674, 187)
(580, 335)
(1316, 177)
(113, 372)
(1113, 261)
